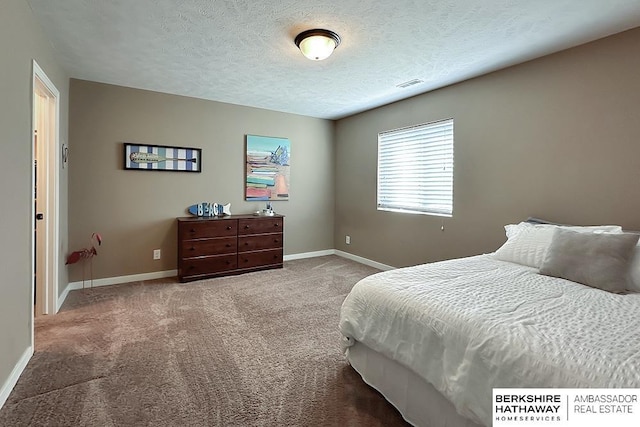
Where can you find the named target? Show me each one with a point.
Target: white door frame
(52, 186)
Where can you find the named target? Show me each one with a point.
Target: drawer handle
(275, 257)
(191, 267)
(193, 230)
(275, 240)
(229, 227)
(192, 248)
(246, 243)
(228, 262)
(246, 260)
(228, 245)
(246, 227)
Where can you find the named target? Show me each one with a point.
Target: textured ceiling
(242, 51)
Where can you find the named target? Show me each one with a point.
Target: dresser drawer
(207, 265)
(260, 258)
(211, 228)
(260, 225)
(259, 242)
(203, 247)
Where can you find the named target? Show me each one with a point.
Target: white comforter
(468, 325)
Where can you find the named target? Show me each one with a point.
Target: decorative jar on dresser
(220, 246)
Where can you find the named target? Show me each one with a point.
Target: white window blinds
(415, 169)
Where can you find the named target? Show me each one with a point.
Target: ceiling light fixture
(317, 44)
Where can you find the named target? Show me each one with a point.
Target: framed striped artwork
(162, 158)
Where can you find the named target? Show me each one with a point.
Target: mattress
(468, 325)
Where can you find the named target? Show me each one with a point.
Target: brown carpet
(261, 349)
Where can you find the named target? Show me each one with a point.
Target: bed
(435, 339)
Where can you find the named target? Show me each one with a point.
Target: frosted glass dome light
(317, 44)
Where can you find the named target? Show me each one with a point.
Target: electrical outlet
(156, 254)
(347, 240)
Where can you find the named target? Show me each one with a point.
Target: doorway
(45, 173)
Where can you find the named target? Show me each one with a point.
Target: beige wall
(21, 41)
(558, 137)
(135, 210)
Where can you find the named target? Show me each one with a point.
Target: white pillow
(513, 229)
(599, 260)
(527, 243)
(634, 283)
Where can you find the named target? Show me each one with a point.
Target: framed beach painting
(268, 164)
(162, 158)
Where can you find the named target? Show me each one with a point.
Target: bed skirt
(418, 402)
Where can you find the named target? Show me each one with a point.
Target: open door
(45, 192)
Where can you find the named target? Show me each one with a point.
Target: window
(415, 169)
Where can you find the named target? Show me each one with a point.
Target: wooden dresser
(210, 247)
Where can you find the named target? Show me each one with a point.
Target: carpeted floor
(261, 349)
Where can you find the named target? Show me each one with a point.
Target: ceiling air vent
(409, 83)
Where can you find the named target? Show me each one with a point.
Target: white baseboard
(309, 254)
(63, 297)
(364, 261)
(11, 382)
(107, 281)
(170, 273)
(342, 254)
